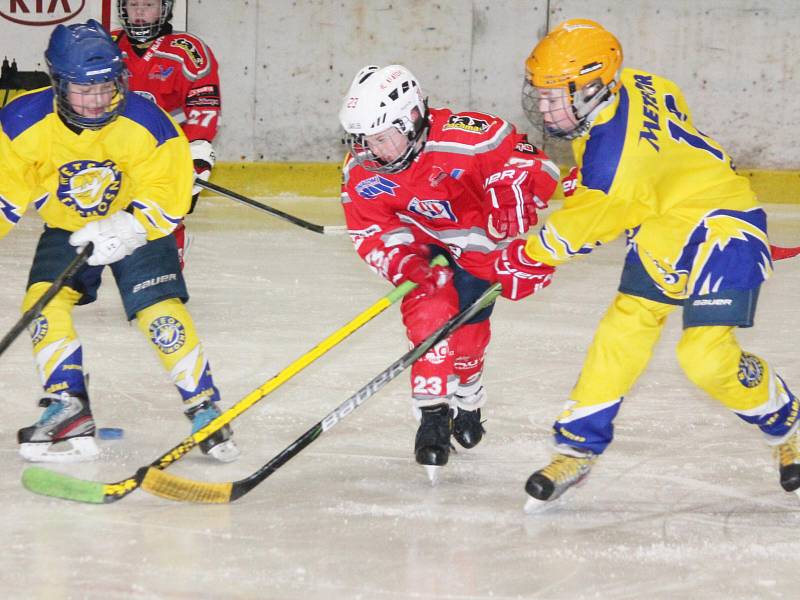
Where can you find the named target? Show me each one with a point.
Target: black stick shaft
(250, 202)
(35, 310)
(241, 487)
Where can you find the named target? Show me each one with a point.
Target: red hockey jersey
(440, 198)
(178, 72)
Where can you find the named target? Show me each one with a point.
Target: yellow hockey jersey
(644, 169)
(140, 162)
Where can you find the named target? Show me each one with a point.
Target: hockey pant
(451, 366)
(167, 324)
(710, 356)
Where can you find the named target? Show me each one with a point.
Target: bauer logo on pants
(168, 334)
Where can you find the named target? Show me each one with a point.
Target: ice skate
(432, 444)
(218, 445)
(563, 472)
(467, 425)
(468, 428)
(788, 455)
(64, 433)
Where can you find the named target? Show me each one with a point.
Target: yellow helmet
(574, 70)
(576, 52)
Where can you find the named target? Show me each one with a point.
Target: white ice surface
(684, 504)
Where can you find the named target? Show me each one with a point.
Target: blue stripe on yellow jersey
(604, 149)
(140, 111)
(16, 118)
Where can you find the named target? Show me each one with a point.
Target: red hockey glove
(513, 205)
(413, 265)
(779, 253)
(518, 274)
(570, 182)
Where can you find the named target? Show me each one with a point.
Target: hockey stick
(781, 253)
(173, 487)
(59, 485)
(273, 211)
(35, 310)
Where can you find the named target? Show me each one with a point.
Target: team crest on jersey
(168, 334)
(751, 370)
(432, 209)
(88, 186)
(375, 186)
(190, 49)
(467, 123)
(38, 329)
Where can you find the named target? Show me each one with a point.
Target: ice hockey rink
(685, 504)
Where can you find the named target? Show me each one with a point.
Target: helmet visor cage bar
(564, 112)
(91, 106)
(391, 150)
(142, 32)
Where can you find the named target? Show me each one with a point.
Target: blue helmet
(84, 54)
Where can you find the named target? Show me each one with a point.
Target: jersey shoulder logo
(191, 49)
(467, 123)
(89, 187)
(375, 186)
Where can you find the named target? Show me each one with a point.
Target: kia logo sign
(40, 12)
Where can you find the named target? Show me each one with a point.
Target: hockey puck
(110, 433)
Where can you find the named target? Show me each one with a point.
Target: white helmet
(378, 100)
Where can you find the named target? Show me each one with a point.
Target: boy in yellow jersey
(697, 239)
(110, 168)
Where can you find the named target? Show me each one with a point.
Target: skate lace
(788, 452)
(203, 417)
(54, 408)
(565, 468)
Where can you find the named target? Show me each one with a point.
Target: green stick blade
(49, 483)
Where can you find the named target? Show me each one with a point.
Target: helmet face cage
(414, 133)
(143, 32)
(565, 112)
(96, 95)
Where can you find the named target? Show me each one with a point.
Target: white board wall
(285, 65)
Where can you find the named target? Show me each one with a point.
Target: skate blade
(225, 452)
(433, 472)
(77, 449)
(534, 506)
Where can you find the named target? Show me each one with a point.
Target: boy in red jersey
(421, 182)
(177, 71)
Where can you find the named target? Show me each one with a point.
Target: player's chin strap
(780, 253)
(325, 229)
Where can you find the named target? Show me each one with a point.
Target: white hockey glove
(204, 158)
(114, 238)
